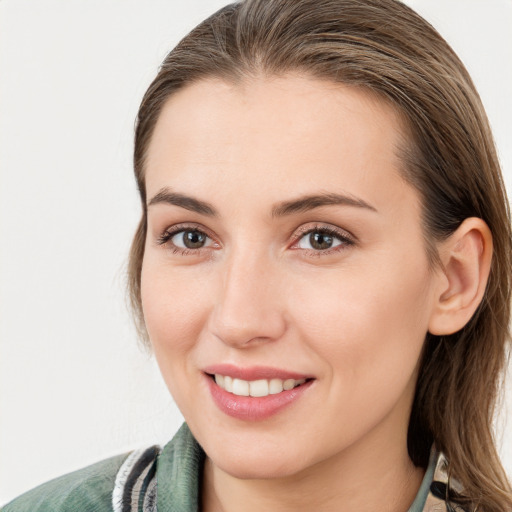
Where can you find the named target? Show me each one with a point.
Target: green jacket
(168, 481)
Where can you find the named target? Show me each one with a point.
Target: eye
(185, 239)
(189, 239)
(323, 239)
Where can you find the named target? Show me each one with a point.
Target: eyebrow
(166, 196)
(300, 205)
(306, 203)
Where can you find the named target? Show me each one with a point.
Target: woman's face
(285, 253)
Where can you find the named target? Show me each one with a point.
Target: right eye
(185, 239)
(190, 239)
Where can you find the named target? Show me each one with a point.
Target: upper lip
(254, 372)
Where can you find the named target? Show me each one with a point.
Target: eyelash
(169, 233)
(344, 237)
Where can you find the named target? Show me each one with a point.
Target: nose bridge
(249, 306)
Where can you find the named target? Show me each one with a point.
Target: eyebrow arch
(300, 205)
(305, 203)
(166, 196)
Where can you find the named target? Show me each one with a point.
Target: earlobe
(466, 258)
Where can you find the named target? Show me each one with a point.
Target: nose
(250, 305)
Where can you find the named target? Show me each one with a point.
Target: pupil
(194, 239)
(320, 241)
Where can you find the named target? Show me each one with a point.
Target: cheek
(174, 305)
(370, 326)
(175, 308)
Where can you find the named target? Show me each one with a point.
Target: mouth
(253, 394)
(256, 388)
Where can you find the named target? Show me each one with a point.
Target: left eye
(190, 239)
(320, 240)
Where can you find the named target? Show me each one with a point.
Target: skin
(353, 316)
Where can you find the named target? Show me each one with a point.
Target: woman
(322, 268)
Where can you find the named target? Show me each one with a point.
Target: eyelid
(321, 226)
(174, 229)
(345, 236)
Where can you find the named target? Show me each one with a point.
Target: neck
(378, 476)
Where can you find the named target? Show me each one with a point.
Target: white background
(74, 386)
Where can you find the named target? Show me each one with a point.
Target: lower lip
(254, 408)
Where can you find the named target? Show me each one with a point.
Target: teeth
(256, 388)
(275, 386)
(240, 387)
(228, 383)
(288, 384)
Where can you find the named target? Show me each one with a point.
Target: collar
(441, 486)
(179, 473)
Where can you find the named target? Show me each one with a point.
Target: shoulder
(99, 487)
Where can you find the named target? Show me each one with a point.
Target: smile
(256, 388)
(255, 393)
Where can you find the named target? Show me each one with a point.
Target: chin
(257, 464)
(256, 472)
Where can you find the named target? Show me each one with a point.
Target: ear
(466, 261)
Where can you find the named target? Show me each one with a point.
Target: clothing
(167, 480)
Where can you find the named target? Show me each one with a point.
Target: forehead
(271, 133)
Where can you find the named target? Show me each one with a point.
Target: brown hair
(385, 47)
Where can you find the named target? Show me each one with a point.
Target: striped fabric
(443, 490)
(135, 484)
